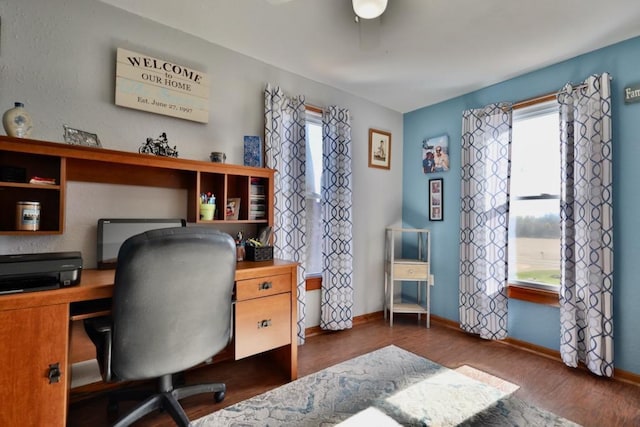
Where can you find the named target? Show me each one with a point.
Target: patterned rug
(387, 387)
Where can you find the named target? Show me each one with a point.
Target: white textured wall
(58, 57)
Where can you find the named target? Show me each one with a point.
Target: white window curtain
(336, 309)
(486, 154)
(285, 151)
(586, 213)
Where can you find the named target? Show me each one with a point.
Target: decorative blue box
(253, 151)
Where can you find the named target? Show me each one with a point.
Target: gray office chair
(171, 311)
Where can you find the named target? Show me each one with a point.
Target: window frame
(313, 282)
(524, 291)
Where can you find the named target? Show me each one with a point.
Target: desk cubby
(50, 196)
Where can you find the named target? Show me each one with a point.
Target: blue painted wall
(529, 322)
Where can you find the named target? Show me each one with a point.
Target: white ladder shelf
(415, 270)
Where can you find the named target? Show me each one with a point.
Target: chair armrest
(100, 324)
(99, 330)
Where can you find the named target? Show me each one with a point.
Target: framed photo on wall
(435, 154)
(436, 199)
(379, 149)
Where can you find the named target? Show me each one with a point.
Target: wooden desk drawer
(262, 324)
(410, 271)
(262, 286)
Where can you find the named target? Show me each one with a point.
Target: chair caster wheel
(218, 396)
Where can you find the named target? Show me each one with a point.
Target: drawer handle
(265, 286)
(264, 323)
(54, 373)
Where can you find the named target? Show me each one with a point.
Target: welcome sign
(162, 87)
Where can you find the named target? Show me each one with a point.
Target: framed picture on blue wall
(435, 154)
(436, 199)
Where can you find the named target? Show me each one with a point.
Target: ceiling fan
(364, 9)
(369, 9)
(367, 16)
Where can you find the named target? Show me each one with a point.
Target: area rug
(387, 387)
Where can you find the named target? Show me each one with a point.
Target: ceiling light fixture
(369, 9)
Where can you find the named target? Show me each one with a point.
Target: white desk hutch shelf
(400, 269)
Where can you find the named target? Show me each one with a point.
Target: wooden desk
(35, 328)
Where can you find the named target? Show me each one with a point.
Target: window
(313, 174)
(534, 221)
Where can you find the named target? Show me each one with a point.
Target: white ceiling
(426, 51)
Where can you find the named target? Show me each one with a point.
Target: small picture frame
(232, 211)
(436, 199)
(80, 137)
(379, 149)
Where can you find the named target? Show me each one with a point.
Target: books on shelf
(257, 190)
(257, 209)
(257, 200)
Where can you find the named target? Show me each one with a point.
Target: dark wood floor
(572, 393)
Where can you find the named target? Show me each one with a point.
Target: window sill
(536, 296)
(313, 283)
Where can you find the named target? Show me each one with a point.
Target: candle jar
(218, 157)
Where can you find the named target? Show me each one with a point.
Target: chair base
(167, 399)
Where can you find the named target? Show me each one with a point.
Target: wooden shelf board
(29, 233)
(409, 261)
(408, 308)
(29, 186)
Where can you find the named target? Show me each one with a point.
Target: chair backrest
(172, 300)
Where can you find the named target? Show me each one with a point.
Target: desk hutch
(36, 327)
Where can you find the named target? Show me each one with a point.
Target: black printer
(40, 271)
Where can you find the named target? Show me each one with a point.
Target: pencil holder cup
(207, 211)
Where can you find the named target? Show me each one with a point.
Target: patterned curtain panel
(586, 213)
(285, 151)
(336, 307)
(486, 153)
